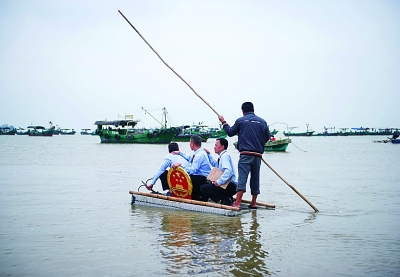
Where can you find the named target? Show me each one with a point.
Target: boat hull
(218, 134)
(186, 138)
(7, 131)
(141, 137)
(277, 145)
(304, 134)
(44, 134)
(10, 133)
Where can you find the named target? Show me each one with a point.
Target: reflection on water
(250, 252)
(195, 243)
(65, 211)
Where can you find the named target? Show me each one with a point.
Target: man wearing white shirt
(216, 190)
(166, 164)
(199, 166)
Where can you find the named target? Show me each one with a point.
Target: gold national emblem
(179, 182)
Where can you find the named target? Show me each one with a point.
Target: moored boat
(186, 131)
(21, 131)
(394, 139)
(217, 132)
(7, 131)
(327, 133)
(289, 133)
(67, 132)
(123, 131)
(388, 140)
(40, 131)
(278, 145)
(87, 132)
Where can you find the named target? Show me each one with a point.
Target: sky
(328, 63)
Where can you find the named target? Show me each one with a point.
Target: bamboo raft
(160, 200)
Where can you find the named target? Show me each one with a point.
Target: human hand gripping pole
(220, 117)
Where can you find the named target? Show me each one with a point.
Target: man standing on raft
(253, 133)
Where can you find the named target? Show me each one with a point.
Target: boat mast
(165, 117)
(164, 113)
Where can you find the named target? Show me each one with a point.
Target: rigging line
(298, 147)
(288, 128)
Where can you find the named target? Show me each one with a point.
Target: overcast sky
(322, 63)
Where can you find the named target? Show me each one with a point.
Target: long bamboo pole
(167, 64)
(290, 186)
(296, 191)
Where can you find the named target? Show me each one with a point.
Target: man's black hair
(173, 146)
(247, 107)
(223, 142)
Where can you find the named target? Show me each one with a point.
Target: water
(65, 211)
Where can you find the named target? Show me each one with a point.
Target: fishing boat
(186, 131)
(387, 131)
(7, 131)
(124, 131)
(388, 140)
(217, 132)
(274, 144)
(289, 133)
(21, 131)
(40, 131)
(394, 139)
(87, 132)
(280, 144)
(327, 133)
(67, 132)
(57, 131)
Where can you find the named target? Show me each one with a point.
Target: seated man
(162, 170)
(217, 190)
(199, 166)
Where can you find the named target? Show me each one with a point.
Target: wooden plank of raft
(183, 200)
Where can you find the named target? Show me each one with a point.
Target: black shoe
(227, 202)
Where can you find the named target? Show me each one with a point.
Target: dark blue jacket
(252, 131)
